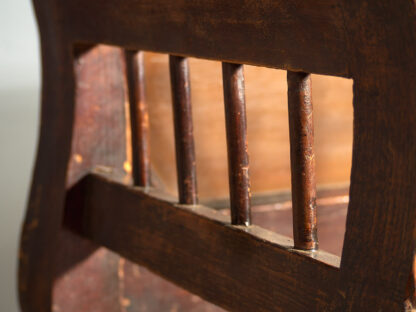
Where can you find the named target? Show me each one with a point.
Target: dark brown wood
(284, 34)
(139, 118)
(371, 41)
(236, 129)
(196, 248)
(302, 160)
(184, 136)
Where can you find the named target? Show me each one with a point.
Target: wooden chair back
(81, 197)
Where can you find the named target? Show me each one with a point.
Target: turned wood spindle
(302, 161)
(184, 139)
(236, 129)
(139, 118)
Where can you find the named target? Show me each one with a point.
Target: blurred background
(268, 131)
(19, 98)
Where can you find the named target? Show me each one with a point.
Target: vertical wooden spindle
(302, 160)
(139, 118)
(236, 128)
(184, 139)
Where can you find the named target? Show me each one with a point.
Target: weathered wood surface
(370, 41)
(197, 248)
(302, 160)
(237, 146)
(184, 134)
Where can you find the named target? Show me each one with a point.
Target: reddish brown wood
(236, 128)
(139, 118)
(184, 137)
(302, 160)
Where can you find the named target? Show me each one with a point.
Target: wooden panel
(294, 34)
(199, 250)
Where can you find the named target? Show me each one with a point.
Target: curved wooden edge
(379, 241)
(381, 62)
(44, 213)
(197, 248)
(73, 138)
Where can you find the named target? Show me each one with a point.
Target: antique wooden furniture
(81, 198)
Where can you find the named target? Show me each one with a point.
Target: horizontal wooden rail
(286, 34)
(197, 248)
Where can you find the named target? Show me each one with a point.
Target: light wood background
(268, 130)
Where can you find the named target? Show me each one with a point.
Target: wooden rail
(197, 248)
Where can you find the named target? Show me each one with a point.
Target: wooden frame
(371, 41)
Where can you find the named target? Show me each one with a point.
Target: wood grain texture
(381, 216)
(281, 31)
(237, 145)
(184, 134)
(42, 221)
(302, 160)
(199, 250)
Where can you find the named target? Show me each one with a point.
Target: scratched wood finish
(184, 135)
(237, 146)
(198, 249)
(373, 42)
(139, 118)
(302, 162)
